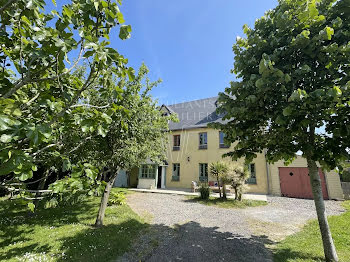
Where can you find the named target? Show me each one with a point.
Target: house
(193, 146)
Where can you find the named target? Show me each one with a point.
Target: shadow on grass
(18, 225)
(101, 244)
(74, 239)
(286, 254)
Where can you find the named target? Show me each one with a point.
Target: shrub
(239, 175)
(117, 199)
(204, 191)
(217, 170)
(345, 177)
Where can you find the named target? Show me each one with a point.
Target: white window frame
(252, 174)
(148, 171)
(203, 169)
(176, 172)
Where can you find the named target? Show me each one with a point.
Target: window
(203, 141)
(176, 142)
(221, 140)
(203, 172)
(176, 172)
(148, 171)
(252, 171)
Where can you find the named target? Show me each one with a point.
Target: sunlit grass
(229, 203)
(66, 233)
(306, 245)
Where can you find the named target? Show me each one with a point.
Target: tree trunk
(104, 201)
(41, 186)
(219, 188)
(236, 193)
(328, 244)
(224, 191)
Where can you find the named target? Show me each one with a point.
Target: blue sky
(186, 43)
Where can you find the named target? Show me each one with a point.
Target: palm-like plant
(238, 175)
(219, 169)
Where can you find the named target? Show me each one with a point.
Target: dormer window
(176, 145)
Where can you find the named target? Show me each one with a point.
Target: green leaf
(305, 33)
(120, 18)
(287, 111)
(102, 132)
(131, 74)
(287, 78)
(5, 138)
(330, 32)
(90, 174)
(68, 11)
(66, 165)
(96, 4)
(124, 32)
(25, 175)
(31, 207)
(54, 2)
(29, 4)
(297, 95)
(26, 20)
(85, 128)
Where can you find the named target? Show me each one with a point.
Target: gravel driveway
(183, 230)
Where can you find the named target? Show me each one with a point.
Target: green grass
(306, 245)
(229, 203)
(66, 233)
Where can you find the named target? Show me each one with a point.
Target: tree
(132, 136)
(238, 175)
(40, 81)
(293, 91)
(216, 169)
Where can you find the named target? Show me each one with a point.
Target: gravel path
(183, 230)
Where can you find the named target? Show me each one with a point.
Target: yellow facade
(190, 156)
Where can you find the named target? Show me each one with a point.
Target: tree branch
(88, 105)
(27, 79)
(2, 9)
(43, 149)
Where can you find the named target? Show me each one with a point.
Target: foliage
(345, 176)
(64, 233)
(293, 71)
(229, 203)
(117, 198)
(204, 191)
(133, 135)
(42, 84)
(239, 174)
(345, 171)
(217, 169)
(306, 245)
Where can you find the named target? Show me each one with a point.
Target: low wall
(346, 189)
(146, 183)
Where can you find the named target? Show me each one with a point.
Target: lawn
(66, 233)
(306, 246)
(229, 203)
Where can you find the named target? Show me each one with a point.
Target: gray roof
(195, 114)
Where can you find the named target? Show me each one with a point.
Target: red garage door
(295, 182)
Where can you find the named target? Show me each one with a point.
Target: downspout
(267, 173)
